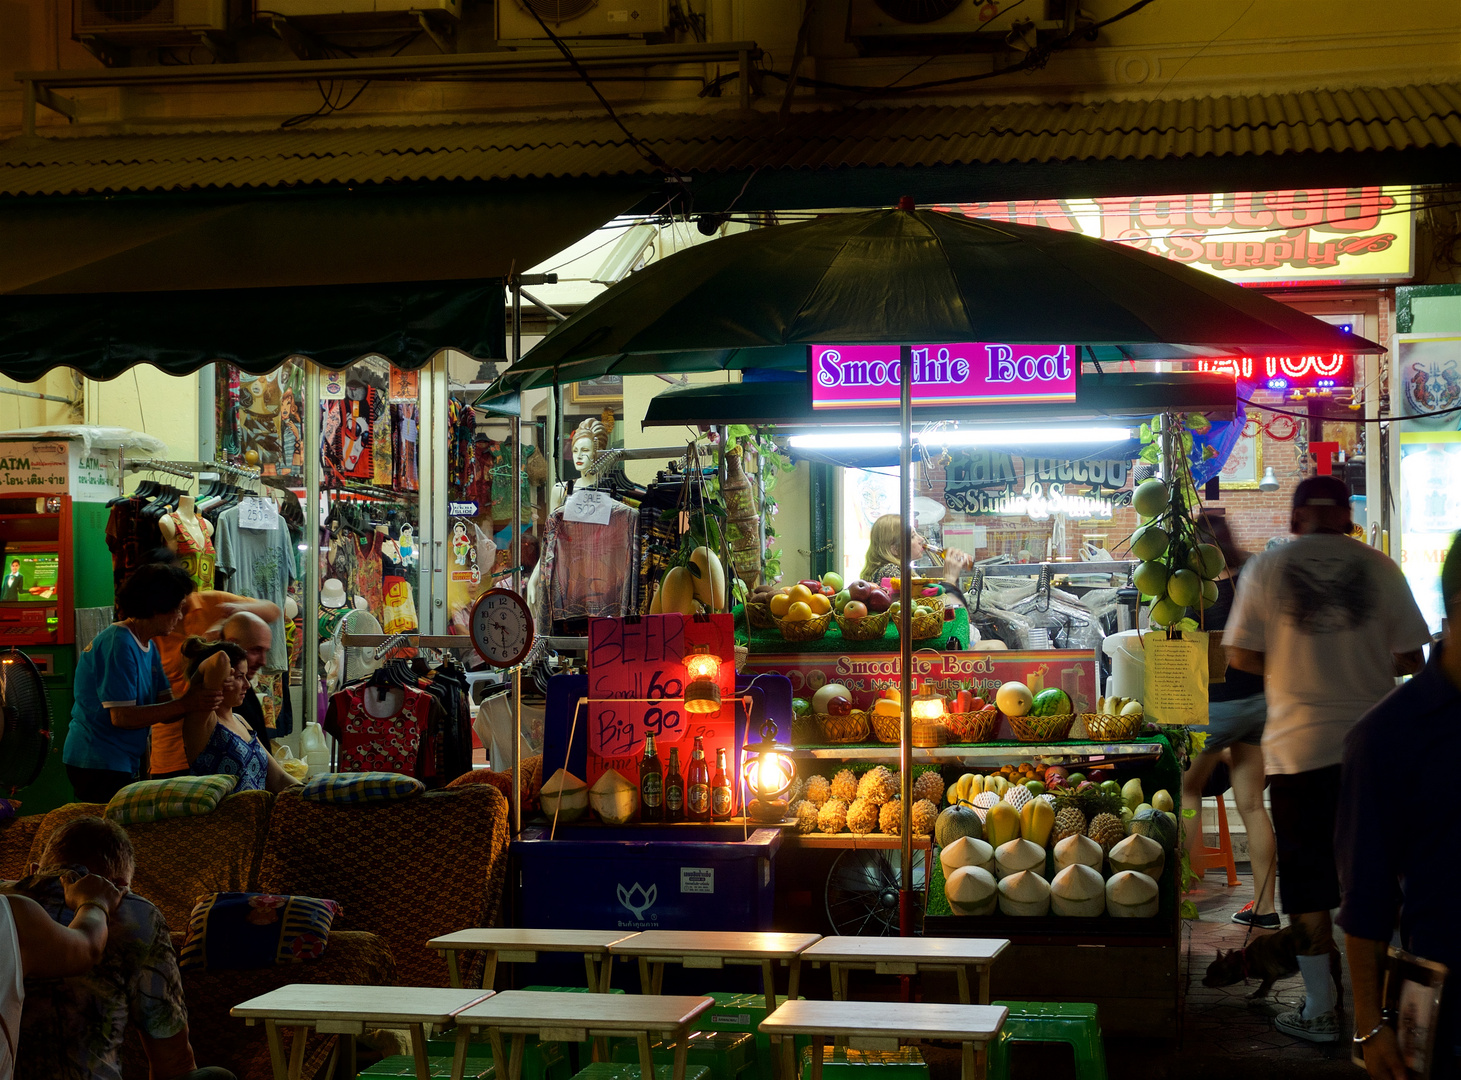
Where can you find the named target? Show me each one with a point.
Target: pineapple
(844, 786)
(797, 792)
(1068, 822)
(929, 785)
(832, 818)
(893, 785)
(890, 817)
(806, 817)
(862, 816)
(874, 786)
(1106, 830)
(818, 790)
(925, 813)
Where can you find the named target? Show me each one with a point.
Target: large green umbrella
(757, 298)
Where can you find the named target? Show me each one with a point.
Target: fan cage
(912, 11)
(96, 14)
(557, 11)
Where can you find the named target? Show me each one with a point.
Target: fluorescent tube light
(1032, 436)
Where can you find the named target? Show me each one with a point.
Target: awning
(178, 281)
(1117, 395)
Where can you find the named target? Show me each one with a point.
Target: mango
(1131, 795)
(1001, 824)
(1037, 821)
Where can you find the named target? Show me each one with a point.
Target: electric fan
(352, 663)
(26, 739)
(862, 892)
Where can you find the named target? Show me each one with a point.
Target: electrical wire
(1355, 420)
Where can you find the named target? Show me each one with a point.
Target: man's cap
(1321, 491)
(1451, 571)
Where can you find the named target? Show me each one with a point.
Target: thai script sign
(968, 373)
(1306, 234)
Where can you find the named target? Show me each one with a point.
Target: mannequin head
(588, 439)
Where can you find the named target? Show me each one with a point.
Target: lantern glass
(767, 773)
(702, 666)
(929, 707)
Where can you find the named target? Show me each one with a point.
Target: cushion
(157, 800)
(361, 788)
(237, 931)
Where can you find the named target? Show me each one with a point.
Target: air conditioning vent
(580, 18)
(918, 11)
(148, 22)
(982, 23)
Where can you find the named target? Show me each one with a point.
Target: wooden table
(520, 946)
(968, 958)
(349, 1011)
(555, 1017)
(972, 1025)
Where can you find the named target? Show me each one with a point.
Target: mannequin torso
(190, 537)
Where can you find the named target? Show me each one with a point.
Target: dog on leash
(1268, 958)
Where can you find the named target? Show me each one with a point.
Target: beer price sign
(969, 373)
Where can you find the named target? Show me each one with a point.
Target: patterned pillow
(156, 800)
(235, 931)
(360, 788)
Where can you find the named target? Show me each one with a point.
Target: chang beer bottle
(651, 784)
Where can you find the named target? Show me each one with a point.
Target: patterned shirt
(72, 1029)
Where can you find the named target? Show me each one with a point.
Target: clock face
(502, 627)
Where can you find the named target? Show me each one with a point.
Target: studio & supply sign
(981, 482)
(969, 373)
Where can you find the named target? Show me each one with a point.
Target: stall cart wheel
(862, 892)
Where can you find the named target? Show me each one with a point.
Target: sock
(1318, 986)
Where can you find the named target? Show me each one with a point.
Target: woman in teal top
(120, 689)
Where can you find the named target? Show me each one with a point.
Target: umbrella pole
(905, 641)
(515, 548)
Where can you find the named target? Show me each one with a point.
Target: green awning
(100, 284)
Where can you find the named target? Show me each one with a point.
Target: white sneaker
(1323, 1028)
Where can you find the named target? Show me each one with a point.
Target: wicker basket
(851, 728)
(928, 618)
(807, 630)
(1042, 728)
(1104, 727)
(867, 628)
(760, 615)
(805, 731)
(972, 727)
(886, 729)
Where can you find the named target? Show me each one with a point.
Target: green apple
(840, 601)
(834, 580)
(801, 706)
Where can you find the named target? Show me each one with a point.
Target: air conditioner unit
(986, 18)
(148, 22)
(312, 9)
(581, 18)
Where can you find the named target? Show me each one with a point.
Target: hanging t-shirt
(380, 439)
(355, 434)
(591, 570)
(403, 424)
(1327, 612)
(330, 424)
(369, 572)
(383, 733)
(398, 610)
(262, 565)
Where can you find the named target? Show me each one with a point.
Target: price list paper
(636, 680)
(1176, 678)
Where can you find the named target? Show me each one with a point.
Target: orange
(778, 605)
(798, 612)
(819, 604)
(800, 592)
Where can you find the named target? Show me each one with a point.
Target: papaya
(655, 601)
(709, 578)
(677, 592)
(1037, 821)
(1001, 824)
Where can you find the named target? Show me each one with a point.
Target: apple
(834, 581)
(859, 589)
(826, 694)
(877, 601)
(840, 601)
(839, 706)
(854, 609)
(812, 584)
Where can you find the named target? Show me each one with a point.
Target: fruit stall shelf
(771, 641)
(1074, 752)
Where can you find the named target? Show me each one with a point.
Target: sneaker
(1321, 1029)
(1244, 917)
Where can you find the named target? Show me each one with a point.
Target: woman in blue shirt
(120, 689)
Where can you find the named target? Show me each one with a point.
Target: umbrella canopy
(906, 276)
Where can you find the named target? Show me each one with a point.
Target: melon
(564, 796)
(1140, 853)
(1024, 893)
(1157, 824)
(1078, 849)
(1078, 891)
(966, 851)
(1131, 895)
(823, 696)
(1014, 699)
(1018, 855)
(956, 821)
(971, 891)
(1053, 702)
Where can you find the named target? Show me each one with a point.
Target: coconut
(1080, 850)
(1130, 895)
(1024, 893)
(971, 890)
(564, 796)
(965, 851)
(1139, 853)
(614, 798)
(1016, 855)
(1078, 890)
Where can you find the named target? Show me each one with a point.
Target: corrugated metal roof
(1353, 121)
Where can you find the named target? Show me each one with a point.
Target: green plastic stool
(1050, 1022)
(609, 1070)
(744, 1013)
(541, 1061)
(840, 1063)
(405, 1065)
(725, 1053)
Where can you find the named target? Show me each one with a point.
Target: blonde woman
(883, 555)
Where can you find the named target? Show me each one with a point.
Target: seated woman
(883, 555)
(220, 741)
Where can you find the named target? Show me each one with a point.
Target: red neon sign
(1309, 370)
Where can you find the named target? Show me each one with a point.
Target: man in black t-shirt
(252, 634)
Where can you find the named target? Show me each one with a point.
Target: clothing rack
(387, 642)
(193, 468)
(367, 491)
(603, 459)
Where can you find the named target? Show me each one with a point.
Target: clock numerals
(502, 627)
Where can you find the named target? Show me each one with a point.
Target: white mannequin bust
(589, 438)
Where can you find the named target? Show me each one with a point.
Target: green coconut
(1150, 498)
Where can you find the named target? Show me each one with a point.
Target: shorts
(1304, 807)
(1240, 720)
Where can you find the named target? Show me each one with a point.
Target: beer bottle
(697, 784)
(651, 784)
(722, 796)
(674, 788)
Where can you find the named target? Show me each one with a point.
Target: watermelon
(956, 821)
(1051, 703)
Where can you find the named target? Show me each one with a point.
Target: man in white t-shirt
(1330, 623)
